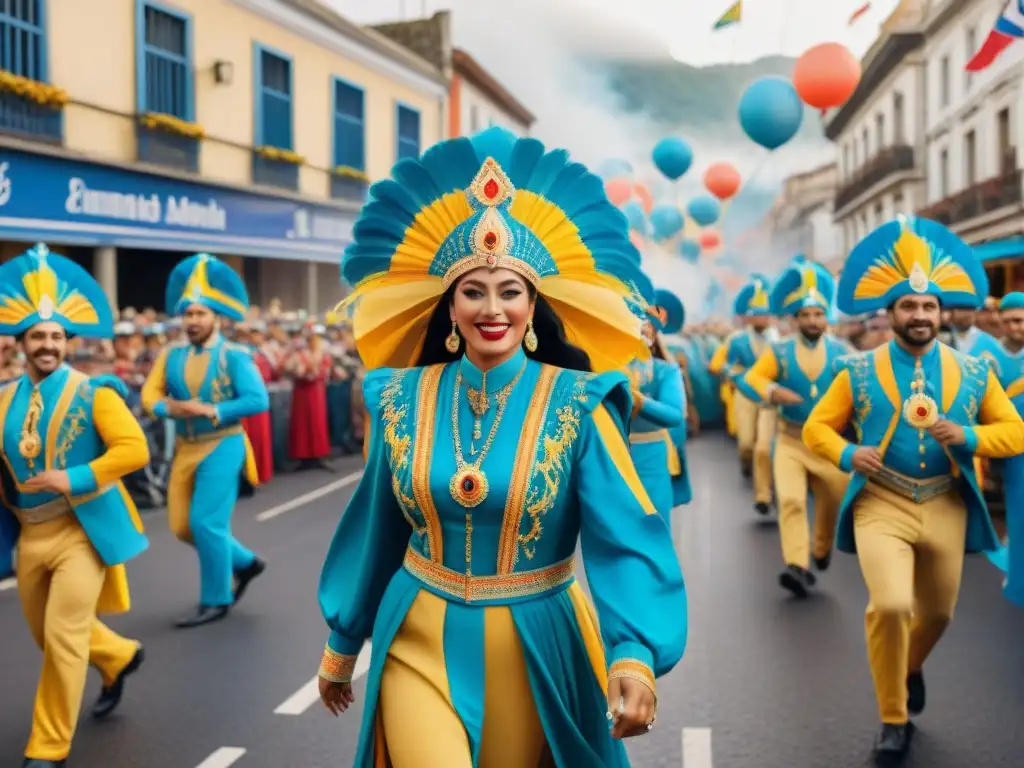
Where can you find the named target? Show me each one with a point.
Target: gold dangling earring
(530, 339)
(451, 343)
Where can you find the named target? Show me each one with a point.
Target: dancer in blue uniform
(493, 448)
(208, 385)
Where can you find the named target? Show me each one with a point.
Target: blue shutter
(165, 61)
(408, 132)
(273, 99)
(349, 125)
(23, 38)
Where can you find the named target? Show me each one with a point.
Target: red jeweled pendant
(468, 487)
(922, 411)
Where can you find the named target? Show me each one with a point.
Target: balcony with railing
(885, 163)
(977, 200)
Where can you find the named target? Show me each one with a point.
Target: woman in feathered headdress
(490, 275)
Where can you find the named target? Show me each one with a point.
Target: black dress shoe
(247, 574)
(206, 614)
(111, 697)
(762, 508)
(33, 762)
(797, 580)
(915, 693)
(822, 563)
(892, 744)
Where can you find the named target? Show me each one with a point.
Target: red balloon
(618, 191)
(826, 76)
(710, 240)
(646, 199)
(722, 180)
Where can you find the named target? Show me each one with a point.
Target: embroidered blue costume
(911, 522)
(72, 546)
(212, 452)
(461, 566)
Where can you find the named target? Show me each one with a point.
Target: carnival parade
(510, 452)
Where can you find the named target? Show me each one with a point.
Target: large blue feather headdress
(670, 310)
(39, 286)
(753, 298)
(488, 202)
(910, 256)
(803, 285)
(205, 279)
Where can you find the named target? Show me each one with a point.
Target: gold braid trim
(337, 667)
(634, 669)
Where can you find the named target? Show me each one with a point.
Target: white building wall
(480, 113)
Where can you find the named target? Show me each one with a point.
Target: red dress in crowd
(309, 432)
(259, 429)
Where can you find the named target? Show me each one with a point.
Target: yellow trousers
(755, 430)
(797, 470)
(912, 557)
(421, 727)
(60, 577)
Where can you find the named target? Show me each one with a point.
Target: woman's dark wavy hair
(553, 347)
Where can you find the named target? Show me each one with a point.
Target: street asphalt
(766, 682)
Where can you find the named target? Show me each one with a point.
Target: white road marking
(9, 583)
(697, 748)
(309, 694)
(223, 757)
(288, 506)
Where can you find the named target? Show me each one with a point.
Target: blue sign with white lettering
(66, 201)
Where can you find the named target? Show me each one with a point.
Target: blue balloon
(672, 157)
(690, 250)
(771, 111)
(704, 210)
(635, 216)
(666, 220)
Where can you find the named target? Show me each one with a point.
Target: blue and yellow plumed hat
(753, 298)
(670, 310)
(491, 201)
(907, 256)
(205, 279)
(39, 286)
(803, 285)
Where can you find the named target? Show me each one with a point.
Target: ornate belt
(500, 589)
(44, 513)
(216, 434)
(918, 491)
(657, 436)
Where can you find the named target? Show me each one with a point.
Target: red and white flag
(1009, 27)
(858, 13)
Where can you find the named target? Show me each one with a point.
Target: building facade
(974, 130)
(880, 133)
(133, 132)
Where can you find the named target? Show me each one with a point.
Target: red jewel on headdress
(492, 260)
(922, 411)
(491, 189)
(490, 240)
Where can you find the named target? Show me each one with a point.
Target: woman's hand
(631, 705)
(336, 696)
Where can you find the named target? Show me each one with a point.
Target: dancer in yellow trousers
(921, 412)
(67, 442)
(793, 374)
(755, 425)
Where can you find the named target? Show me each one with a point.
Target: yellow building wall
(92, 57)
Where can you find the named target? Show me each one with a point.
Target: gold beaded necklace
(468, 485)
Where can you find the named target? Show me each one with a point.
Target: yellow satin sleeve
(717, 362)
(762, 374)
(828, 418)
(155, 388)
(618, 451)
(1000, 430)
(127, 449)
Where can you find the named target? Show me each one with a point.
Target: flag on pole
(1009, 27)
(731, 16)
(858, 13)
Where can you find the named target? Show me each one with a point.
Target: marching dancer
(67, 442)
(492, 449)
(921, 412)
(208, 385)
(659, 407)
(671, 314)
(793, 374)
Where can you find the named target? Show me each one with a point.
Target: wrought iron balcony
(168, 149)
(977, 200)
(21, 116)
(885, 163)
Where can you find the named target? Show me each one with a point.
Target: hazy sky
(530, 44)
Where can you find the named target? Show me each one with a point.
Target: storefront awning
(1010, 248)
(70, 202)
